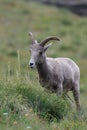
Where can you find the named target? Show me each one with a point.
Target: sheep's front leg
(59, 89)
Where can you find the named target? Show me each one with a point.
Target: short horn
(32, 37)
(43, 42)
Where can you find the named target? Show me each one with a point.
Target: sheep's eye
(40, 53)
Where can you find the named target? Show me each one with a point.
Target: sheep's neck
(43, 70)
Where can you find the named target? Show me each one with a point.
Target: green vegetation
(24, 104)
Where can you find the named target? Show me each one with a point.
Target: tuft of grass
(20, 96)
(45, 105)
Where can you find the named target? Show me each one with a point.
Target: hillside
(19, 87)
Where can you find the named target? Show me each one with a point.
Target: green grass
(24, 104)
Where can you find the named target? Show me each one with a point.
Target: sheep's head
(38, 50)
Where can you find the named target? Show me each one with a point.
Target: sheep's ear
(47, 46)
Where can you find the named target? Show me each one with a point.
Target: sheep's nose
(31, 64)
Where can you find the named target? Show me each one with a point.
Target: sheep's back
(64, 67)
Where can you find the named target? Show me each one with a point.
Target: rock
(76, 6)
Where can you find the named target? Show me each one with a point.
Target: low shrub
(45, 104)
(16, 98)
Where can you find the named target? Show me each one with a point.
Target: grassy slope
(19, 17)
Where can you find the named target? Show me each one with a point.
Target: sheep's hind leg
(76, 94)
(59, 89)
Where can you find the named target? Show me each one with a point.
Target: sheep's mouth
(32, 67)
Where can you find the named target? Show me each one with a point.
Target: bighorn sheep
(59, 75)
